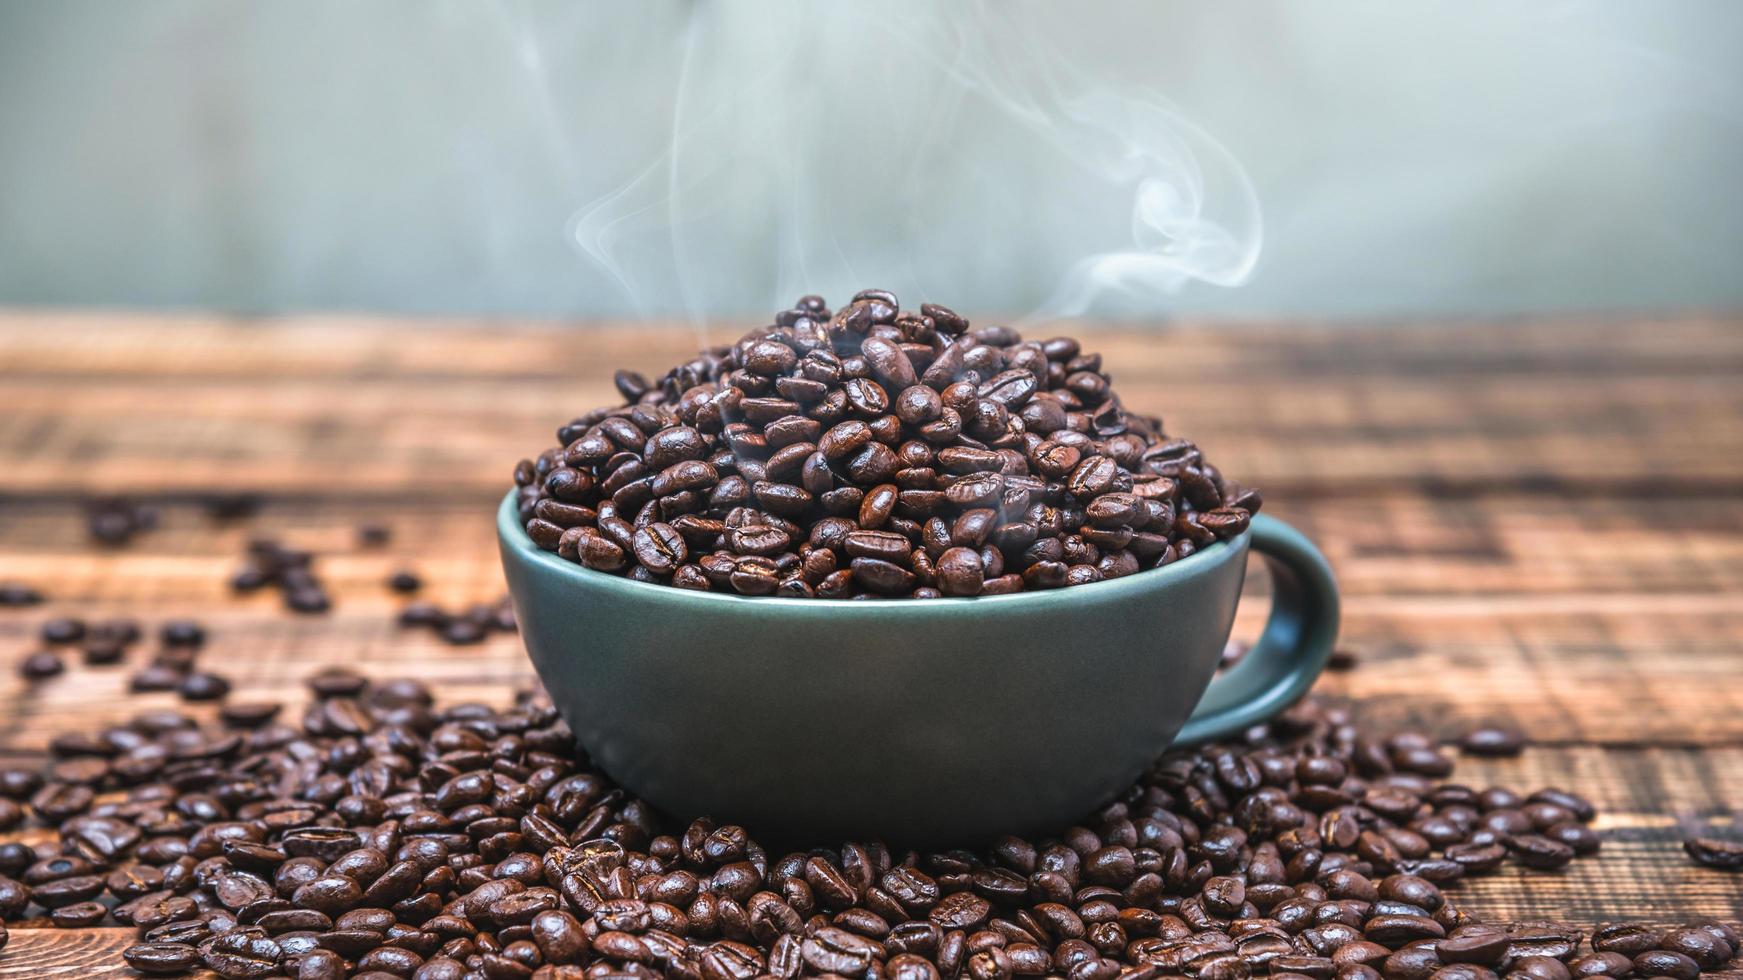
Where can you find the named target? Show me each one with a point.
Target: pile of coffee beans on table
(873, 451)
(384, 836)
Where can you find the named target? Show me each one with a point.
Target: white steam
(827, 148)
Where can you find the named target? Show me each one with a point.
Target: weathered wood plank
(102, 344)
(323, 407)
(50, 952)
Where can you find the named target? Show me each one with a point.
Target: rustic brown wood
(325, 407)
(1533, 523)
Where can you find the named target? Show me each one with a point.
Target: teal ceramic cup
(922, 722)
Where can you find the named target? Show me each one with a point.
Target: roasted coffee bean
(1711, 852)
(79, 915)
(1539, 968)
(1537, 851)
(241, 956)
(62, 630)
(249, 714)
(99, 652)
(40, 665)
(1600, 965)
(16, 596)
(660, 548)
(1708, 950)
(204, 686)
(1583, 839)
(1492, 741)
(960, 572)
(1665, 963)
(162, 958)
(1627, 938)
(1482, 944)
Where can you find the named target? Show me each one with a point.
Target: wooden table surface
(1535, 523)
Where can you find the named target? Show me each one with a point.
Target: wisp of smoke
(927, 148)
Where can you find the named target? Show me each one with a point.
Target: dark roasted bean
(1494, 740)
(1725, 855)
(1709, 951)
(161, 958)
(1537, 851)
(1665, 963)
(40, 665)
(240, 956)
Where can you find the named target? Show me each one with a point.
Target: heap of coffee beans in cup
(873, 451)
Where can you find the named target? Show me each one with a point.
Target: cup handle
(1297, 641)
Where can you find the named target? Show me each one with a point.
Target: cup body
(924, 722)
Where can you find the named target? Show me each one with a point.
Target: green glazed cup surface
(922, 722)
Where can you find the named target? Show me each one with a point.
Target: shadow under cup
(920, 722)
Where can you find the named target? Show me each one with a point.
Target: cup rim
(513, 536)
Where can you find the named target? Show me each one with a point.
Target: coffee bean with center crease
(240, 956)
(161, 958)
(660, 548)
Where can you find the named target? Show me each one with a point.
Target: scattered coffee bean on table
(114, 521)
(232, 506)
(1726, 855)
(100, 652)
(405, 581)
(40, 665)
(373, 535)
(1342, 659)
(204, 686)
(1492, 740)
(14, 595)
(384, 835)
(62, 630)
(873, 452)
(182, 633)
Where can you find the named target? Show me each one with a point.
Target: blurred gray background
(1337, 159)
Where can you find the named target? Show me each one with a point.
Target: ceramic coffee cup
(922, 722)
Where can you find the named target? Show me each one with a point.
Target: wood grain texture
(1533, 523)
(337, 407)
